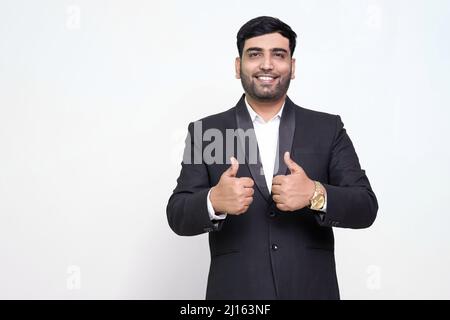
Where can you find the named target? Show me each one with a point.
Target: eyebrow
(260, 49)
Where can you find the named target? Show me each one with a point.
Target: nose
(266, 63)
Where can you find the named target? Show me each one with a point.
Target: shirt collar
(256, 117)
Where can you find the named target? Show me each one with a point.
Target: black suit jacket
(266, 253)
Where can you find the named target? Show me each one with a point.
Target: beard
(263, 92)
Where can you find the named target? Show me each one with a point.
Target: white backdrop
(95, 99)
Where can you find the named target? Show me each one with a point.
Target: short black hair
(264, 25)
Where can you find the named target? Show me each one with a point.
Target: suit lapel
(286, 136)
(243, 121)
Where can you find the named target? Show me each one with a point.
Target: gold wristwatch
(318, 199)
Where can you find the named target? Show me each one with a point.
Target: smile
(266, 79)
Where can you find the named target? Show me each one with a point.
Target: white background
(95, 99)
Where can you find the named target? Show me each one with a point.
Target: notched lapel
(244, 122)
(285, 136)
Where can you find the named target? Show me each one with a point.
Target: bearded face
(266, 67)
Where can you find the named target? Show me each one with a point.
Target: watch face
(321, 201)
(318, 202)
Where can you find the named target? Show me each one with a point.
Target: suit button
(274, 247)
(272, 214)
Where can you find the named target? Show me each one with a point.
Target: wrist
(213, 199)
(317, 201)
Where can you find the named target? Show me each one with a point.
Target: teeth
(265, 78)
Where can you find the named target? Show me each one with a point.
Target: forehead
(267, 42)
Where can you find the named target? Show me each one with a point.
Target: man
(270, 217)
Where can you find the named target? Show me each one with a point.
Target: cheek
(249, 68)
(247, 75)
(284, 69)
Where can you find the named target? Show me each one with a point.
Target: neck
(267, 110)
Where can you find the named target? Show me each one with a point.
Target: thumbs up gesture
(292, 192)
(232, 195)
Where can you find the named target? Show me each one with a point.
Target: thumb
(233, 169)
(293, 167)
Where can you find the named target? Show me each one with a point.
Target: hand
(294, 191)
(232, 195)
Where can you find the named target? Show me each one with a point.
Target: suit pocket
(224, 253)
(326, 248)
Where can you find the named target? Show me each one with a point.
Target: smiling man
(270, 221)
(265, 68)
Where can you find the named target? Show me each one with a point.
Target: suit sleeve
(187, 211)
(351, 202)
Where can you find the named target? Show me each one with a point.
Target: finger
(249, 192)
(276, 189)
(248, 201)
(233, 169)
(277, 180)
(243, 210)
(293, 167)
(282, 207)
(247, 182)
(277, 199)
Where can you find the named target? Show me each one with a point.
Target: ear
(293, 68)
(237, 67)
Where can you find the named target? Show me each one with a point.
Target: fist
(294, 191)
(232, 195)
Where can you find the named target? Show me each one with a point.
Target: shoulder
(224, 119)
(313, 114)
(221, 116)
(317, 122)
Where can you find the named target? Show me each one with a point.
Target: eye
(279, 55)
(254, 54)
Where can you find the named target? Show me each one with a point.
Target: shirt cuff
(211, 212)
